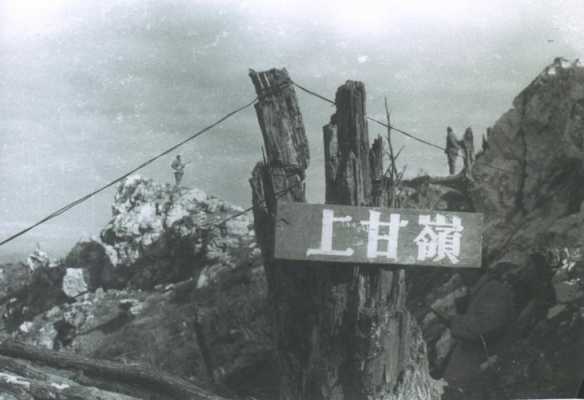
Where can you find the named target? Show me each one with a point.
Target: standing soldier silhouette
(452, 148)
(178, 166)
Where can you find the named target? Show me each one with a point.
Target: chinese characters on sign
(378, 236)
(439, 239)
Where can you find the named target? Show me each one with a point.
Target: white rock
(565, 63)
(238, 226)
(76, 316)
(255, 252)
(176, 213)
(14, 380)
(214, 204)
(38, 259)
(53, 312)
(74, 283)
(568, 291)
(25, 327)
(444, 345)
(112, 254)
(203, 280)
(46, 337)
(99, 294)
(136, 307)
(197, 195)
(555, 310)
(60, 386)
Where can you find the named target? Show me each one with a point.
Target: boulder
(74, 282)
(97, 260)
(164, 234)
(38, 259)
(489, 312)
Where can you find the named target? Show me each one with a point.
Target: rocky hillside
(165, 286)
(515, 329)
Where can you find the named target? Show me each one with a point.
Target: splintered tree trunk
(375, 322)
(341, 330)
(280, 178)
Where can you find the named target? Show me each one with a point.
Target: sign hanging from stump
(373, 235)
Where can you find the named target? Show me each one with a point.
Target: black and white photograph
(291, 199)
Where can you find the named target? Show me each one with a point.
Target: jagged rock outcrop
(26, 292)
(527, 183)
(528, 180)
(216, 334)
(158, 289)
(161, 234)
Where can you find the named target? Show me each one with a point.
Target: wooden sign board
(323, 232)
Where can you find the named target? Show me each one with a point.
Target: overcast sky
(91, 88)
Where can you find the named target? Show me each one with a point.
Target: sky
(89, 89)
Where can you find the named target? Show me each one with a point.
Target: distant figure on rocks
(486, 137)
(452, 148)
(467, 145)
(179, 169)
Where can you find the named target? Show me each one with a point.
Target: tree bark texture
(341, 331)
(280, 178)
(375, 321)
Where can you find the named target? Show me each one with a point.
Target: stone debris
(74, 282)
(555, 311)
(38, 259)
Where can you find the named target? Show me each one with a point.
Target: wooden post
(341, 331)
(374, 298)
(281, 179)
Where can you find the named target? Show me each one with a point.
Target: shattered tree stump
(280, 178)
(341, 331)
(376, 322)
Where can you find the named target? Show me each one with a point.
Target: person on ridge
(178, 166)
(452, 148)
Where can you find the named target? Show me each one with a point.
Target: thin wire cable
(250, 208)
(405, 133)
(82, 199)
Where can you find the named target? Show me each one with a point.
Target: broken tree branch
(157, 381)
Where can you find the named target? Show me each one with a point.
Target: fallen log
(132, 374)
(32, 389)
(28, 371)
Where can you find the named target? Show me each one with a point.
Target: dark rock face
(13, 279)
(538, 148)
(93, 258)
(527, 183)
(28, 293)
